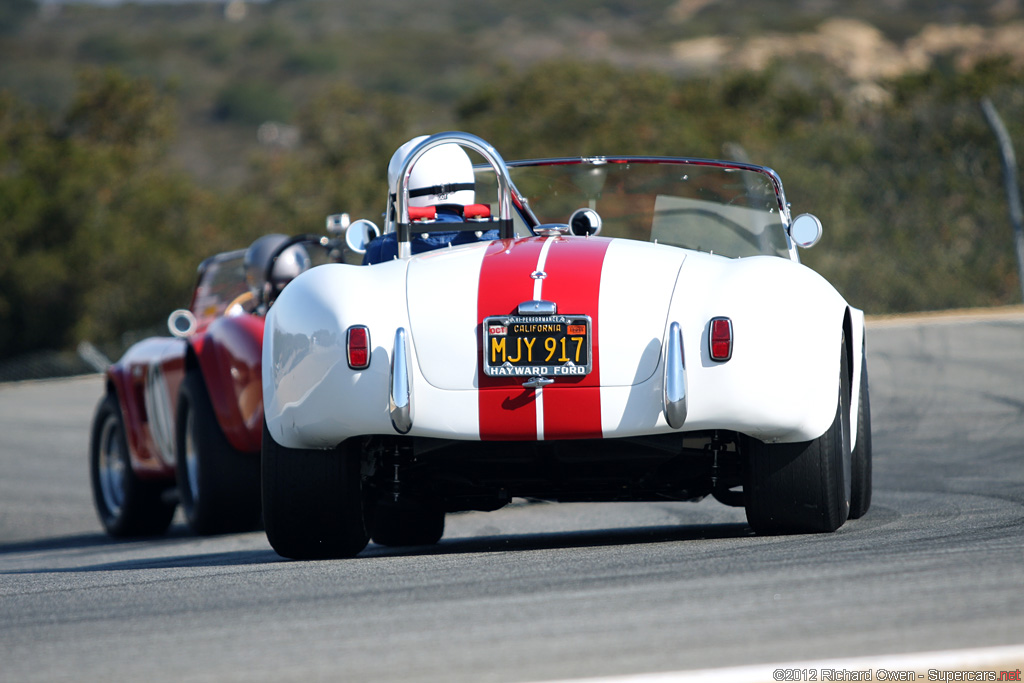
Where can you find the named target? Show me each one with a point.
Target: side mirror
(337, 223)
(585, 222)
(181, 323)
(805, 230)
(359, 234)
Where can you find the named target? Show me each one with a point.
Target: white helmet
(290, 263)
(444, 175)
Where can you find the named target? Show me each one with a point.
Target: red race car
(181, 420)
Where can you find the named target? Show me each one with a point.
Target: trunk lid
(624, 287)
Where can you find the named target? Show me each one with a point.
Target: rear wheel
(126, 505)
(219, 487)
(860, 495)
(407, 523)
(313, 501)
(803, 487)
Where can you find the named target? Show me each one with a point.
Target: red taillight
(720, 339)
(358, 344)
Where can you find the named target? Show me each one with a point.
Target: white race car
(639, 329)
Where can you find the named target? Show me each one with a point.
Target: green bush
(101, 231)
(100, 234)
(106, 48)
(251, 102)
(314, 60)
(13, 13)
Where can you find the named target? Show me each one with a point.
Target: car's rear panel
(779, 384)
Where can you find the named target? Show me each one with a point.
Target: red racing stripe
(572, 407)
(507, 410)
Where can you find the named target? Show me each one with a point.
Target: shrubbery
(100, 230)
(100, 234)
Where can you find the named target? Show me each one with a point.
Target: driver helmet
(290, 263)
(443, 175)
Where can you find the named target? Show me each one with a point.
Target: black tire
(313, 503)
(860, 462)
(126, 505)
(407, 523)
(218, 486)
(803, 487)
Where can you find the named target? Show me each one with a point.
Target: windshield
(731, 210)
(221, 279)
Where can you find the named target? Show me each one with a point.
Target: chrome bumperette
(401, 385)
(675, 378)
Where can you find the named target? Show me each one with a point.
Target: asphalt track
(542, 592)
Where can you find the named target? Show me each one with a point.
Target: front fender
(145, 381)
(229, 355)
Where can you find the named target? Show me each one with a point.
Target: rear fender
(781, 382)
(312, 398)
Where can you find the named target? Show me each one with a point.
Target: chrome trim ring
(191, 459)
(111, 465)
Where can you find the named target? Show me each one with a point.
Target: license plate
(537, 346)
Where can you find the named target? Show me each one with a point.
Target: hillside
(155, 134)
(232, 70)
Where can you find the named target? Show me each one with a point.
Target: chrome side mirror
(359, 234)
(181, 323)
(805, 230)
(337, 223)
(585, 222)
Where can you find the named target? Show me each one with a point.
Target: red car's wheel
(126, 505)
(217, 485)
(803, 487)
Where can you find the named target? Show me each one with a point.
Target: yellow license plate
(536, 346)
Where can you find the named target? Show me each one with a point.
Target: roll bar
(507, 192)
